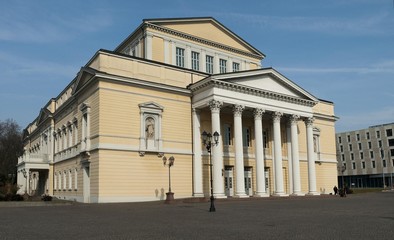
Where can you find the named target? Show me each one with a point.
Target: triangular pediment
(267, 80)
(44, 114)
(206, 28)
(151, 105)
(84, 75)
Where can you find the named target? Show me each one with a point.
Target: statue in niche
(150, 128)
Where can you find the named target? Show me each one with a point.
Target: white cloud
(12, 66)
(363, 25)
(31, 22)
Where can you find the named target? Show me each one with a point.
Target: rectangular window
(75, 179)
(70, 181)
(227, 135)
(353, 165)
(59, 182)
(367, 135)
(235, 67)
(180, 57)
(384, 163)
(382, 153)
(369, 145)
(373, 164)
(343, 157)
(389, 132)
(352, 156)
(391, 142)
(350, 147)
(361, 155)
(363, 164)
(222, 66)
(209, 64)
(392, 152)
(195, 61)
(341, 148)
(55, 182)
(348, 138)
(359, 146)
(358, 137)
(377, 134)
(339, 139)
(64, 181)
(380, 143)
(371, 154)
(246, 137)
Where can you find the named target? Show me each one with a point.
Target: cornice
(201, 40)
(250, 91)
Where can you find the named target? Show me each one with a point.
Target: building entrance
(228, 181)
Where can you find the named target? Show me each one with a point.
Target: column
(279, 189)
(88, 128)
(197, 159)
(289, 157)
(239, 155)
(311, 159)
(203, 61)
(148, 46)
(217, 151)
(27, 181)
(166, 51)
(259, 151)
(295, 156)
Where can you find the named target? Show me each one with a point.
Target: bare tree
(11, 147)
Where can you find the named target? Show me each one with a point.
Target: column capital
(237, 110)
(258, 113)
(215, 105)
(276, 116)
(309, 121)
(293, 119)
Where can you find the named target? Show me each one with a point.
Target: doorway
(228, 181)
(86, 184)
(248, 181)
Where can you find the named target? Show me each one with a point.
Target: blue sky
(339, 50)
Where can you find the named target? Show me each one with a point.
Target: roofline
(207, 18)
(145, 22)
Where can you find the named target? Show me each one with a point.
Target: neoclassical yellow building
(102, 139)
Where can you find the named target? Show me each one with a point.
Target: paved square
(359, 216)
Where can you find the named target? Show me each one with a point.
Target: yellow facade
(103, 138)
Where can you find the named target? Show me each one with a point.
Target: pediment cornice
(201, 40)
(214, 83)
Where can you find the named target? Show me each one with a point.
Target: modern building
(365, 157)
(103, 138)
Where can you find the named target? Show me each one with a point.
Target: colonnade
(217, 153)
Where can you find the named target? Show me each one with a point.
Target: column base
(262, 194)
(219, 195)
(241, 195)
(197, 195)
(280, 195)
(313, 194)
(296, 194)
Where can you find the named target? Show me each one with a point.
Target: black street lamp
(169, 195)
(207, 141)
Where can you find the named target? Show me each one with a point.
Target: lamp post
(207, 141)
(170, 163)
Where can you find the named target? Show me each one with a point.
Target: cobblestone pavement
(358, 216)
